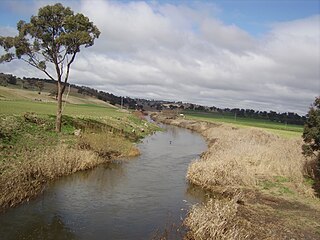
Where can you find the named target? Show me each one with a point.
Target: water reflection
(41, 229)
(197, 192)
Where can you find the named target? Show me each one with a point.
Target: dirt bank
(260, 183)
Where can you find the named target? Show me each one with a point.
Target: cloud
(182, 52)
(8, 31)
(226, 36)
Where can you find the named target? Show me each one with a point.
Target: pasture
(285, 130)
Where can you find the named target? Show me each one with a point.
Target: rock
(77, 132)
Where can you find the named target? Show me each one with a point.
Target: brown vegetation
(257, 179)
(24, 179)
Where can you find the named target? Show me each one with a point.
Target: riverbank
(33, 154)
(261, 185)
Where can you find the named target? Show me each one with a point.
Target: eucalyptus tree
(52, 37)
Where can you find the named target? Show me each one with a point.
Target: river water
(130, 199)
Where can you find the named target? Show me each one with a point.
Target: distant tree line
(6, 79)
(141, 104)
(287, 117)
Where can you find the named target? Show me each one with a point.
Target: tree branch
(68, 70)
(36, 66)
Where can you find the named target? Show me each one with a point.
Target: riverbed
(128, 199)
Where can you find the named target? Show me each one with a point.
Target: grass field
(286, 130)
(17, 94)
(19, 101)
(86, 110)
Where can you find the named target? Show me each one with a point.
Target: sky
(257, 54)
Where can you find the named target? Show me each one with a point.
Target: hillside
(12, 92)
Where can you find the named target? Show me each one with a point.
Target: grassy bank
(33, 154)
(261, 185)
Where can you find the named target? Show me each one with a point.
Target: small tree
(311, 132)
(54, 37)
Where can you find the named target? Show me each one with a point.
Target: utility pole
(121, 102)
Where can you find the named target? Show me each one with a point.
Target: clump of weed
(105, 145)
(216, 219)
(21, 180)
(279, 185)
(243, 157)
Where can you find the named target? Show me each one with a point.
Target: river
(128, 199)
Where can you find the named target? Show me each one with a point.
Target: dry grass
(107, 145)
(7, 93)
(22, 180)
(246, 157)
(216, 219)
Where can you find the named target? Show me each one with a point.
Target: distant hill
(42, 90)
(45, 90)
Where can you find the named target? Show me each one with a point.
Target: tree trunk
(59, 110)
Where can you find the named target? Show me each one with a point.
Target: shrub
(311, 132)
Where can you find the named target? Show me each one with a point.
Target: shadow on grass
(316, 184)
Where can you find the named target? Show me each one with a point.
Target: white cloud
(178, 52)
(8, 31)
(224, 36)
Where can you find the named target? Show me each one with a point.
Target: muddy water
(127, 200)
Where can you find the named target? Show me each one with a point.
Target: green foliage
(53, 36)
(49, 37)
(19, 134)
(311, 132)
(309, 181)
(277, 186)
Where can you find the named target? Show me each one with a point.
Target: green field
(85, 110)
(286, 130)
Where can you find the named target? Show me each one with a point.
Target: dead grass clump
(22, 180)
(216, 219)
(106, 145)
(245, 157)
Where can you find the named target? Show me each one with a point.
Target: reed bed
(216, 219)
(24, 179)
(246, 158)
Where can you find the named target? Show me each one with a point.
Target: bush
(311, 132)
